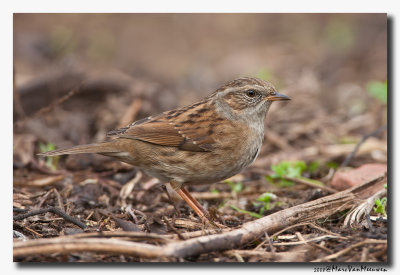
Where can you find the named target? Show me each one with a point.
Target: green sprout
(332, 164)
(380, 206)
(51, 162)
(286, 169)
(236, 187)
(253, 214)
(313, 167)
(265, 202)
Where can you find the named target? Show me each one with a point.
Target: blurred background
(112, 69)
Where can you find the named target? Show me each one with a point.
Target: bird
(202, 143)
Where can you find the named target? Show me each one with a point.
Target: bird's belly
(170, 163)
(200, 167)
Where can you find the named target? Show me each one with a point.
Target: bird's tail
(99, 148)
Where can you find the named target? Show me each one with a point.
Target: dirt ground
(78, 76)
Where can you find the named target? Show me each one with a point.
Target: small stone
(344, 179)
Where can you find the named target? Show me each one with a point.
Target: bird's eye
(273, 93)
(251, 93)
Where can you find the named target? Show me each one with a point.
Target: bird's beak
(277, 96)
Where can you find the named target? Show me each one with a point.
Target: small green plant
(378, 90)
(253, 214)
(51, 162)
(313, 167)
(214, 191)
(286, 169)
(332, 164)
(236, 187)
(265, 202)
(380, 206)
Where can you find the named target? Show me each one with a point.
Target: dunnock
(205, 142)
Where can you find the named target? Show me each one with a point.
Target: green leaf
(265, 200)
(378, 90)
(266, 197)
(312, 181)
(332, 164)
(291, 169)
(269, 178)
(51, 162)
(253, 214)
(236, 187)
(313, 167)
(380, 206)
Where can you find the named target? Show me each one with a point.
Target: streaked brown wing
(185, 128)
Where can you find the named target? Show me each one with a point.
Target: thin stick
(364, 138)
(53, 210)
(48, 108)
(320, 238)
(300, 181)
(348, 249)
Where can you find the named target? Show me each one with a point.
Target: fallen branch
(306, 212)
(53, 210)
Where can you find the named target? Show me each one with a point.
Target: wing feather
(186, 128)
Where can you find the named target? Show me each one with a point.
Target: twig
(348, 249)
(173, 228)
(363, 139)
(270, 243)
(268, 256)
(40, 182)
(59, 200)
(44, 198)
(48, 108)
(53, 210)
(313, 185)
(320, 238)
(131, 112)
(325, 230)
(129, 210)
(290, 227)
(301, 238)
(34, 232)
(65, 245)
(133, 235)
